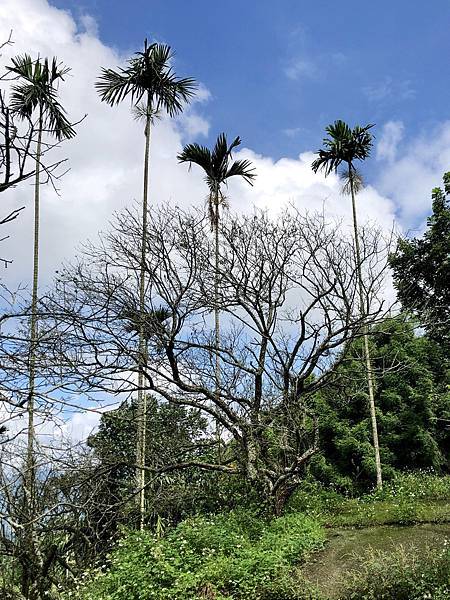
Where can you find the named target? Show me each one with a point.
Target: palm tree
(36, 94)
(218, 166)
(152, 86)
(345, 146)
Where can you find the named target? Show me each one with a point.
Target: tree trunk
(216, 313)
(370, 377)
(30, 466)
(142, 398)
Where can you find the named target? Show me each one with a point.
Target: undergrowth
(400, 576)
(224, 557)
(407, 499)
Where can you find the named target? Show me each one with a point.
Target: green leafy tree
(152, 86)
(218, 166)
(35, 96)
(174, 435)
(421, 269)
(413, 402)
(346, 146)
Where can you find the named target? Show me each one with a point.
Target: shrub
(414, 486)
(222, 557)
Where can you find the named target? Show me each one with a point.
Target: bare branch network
(289, 303)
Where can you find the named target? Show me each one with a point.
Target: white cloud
(389, 88)
(196, 125)
(291, 181)
(391, 136)
(411, 177)
(299, 68)
(106, 157)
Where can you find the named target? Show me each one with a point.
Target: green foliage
(232, 557)
(174, 434)
(38, 90)
(419, 485)
(147, 76)
(406, 499)
(413, 408)
(218, 166)
(421, 269)
(400, 576)
(343, 145)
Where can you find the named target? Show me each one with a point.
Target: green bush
(408, 498)
(222, 557)
(414, 486)
(399, 576)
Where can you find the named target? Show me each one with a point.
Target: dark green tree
(421, 269)
(174, 435)
(413, 401)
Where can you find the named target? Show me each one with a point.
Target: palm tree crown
(218, 166)
(148, 74)
(343, 145)
(38, 90)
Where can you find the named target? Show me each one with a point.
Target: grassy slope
(348, 549)
(411, 516)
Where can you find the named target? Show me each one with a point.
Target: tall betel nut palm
(218, 166)
(346, 146)
(35, 97)
(151, 85)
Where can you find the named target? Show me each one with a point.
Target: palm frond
(56, 121)
(113, 87)
(242, 168)
(353, 179)
(148, 74)
(216, 163)
(23, 67)
(343, 145)
(199, 155)
(36, 89)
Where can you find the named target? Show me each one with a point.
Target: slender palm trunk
(30, 466)
(142, 397)
(370, 376)
(216, 311)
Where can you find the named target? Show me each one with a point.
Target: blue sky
(280, 71)
(277, 74)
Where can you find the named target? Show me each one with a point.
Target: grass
(406, 500)
(382, 542)
(401, 575)
(349, 551)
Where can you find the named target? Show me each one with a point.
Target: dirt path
(347, 548)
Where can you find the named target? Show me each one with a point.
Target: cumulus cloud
(391, 136)
(299, 68)
(292, 182)
(411, 177)
(106, 156)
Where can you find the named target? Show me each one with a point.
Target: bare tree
(289, 296)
